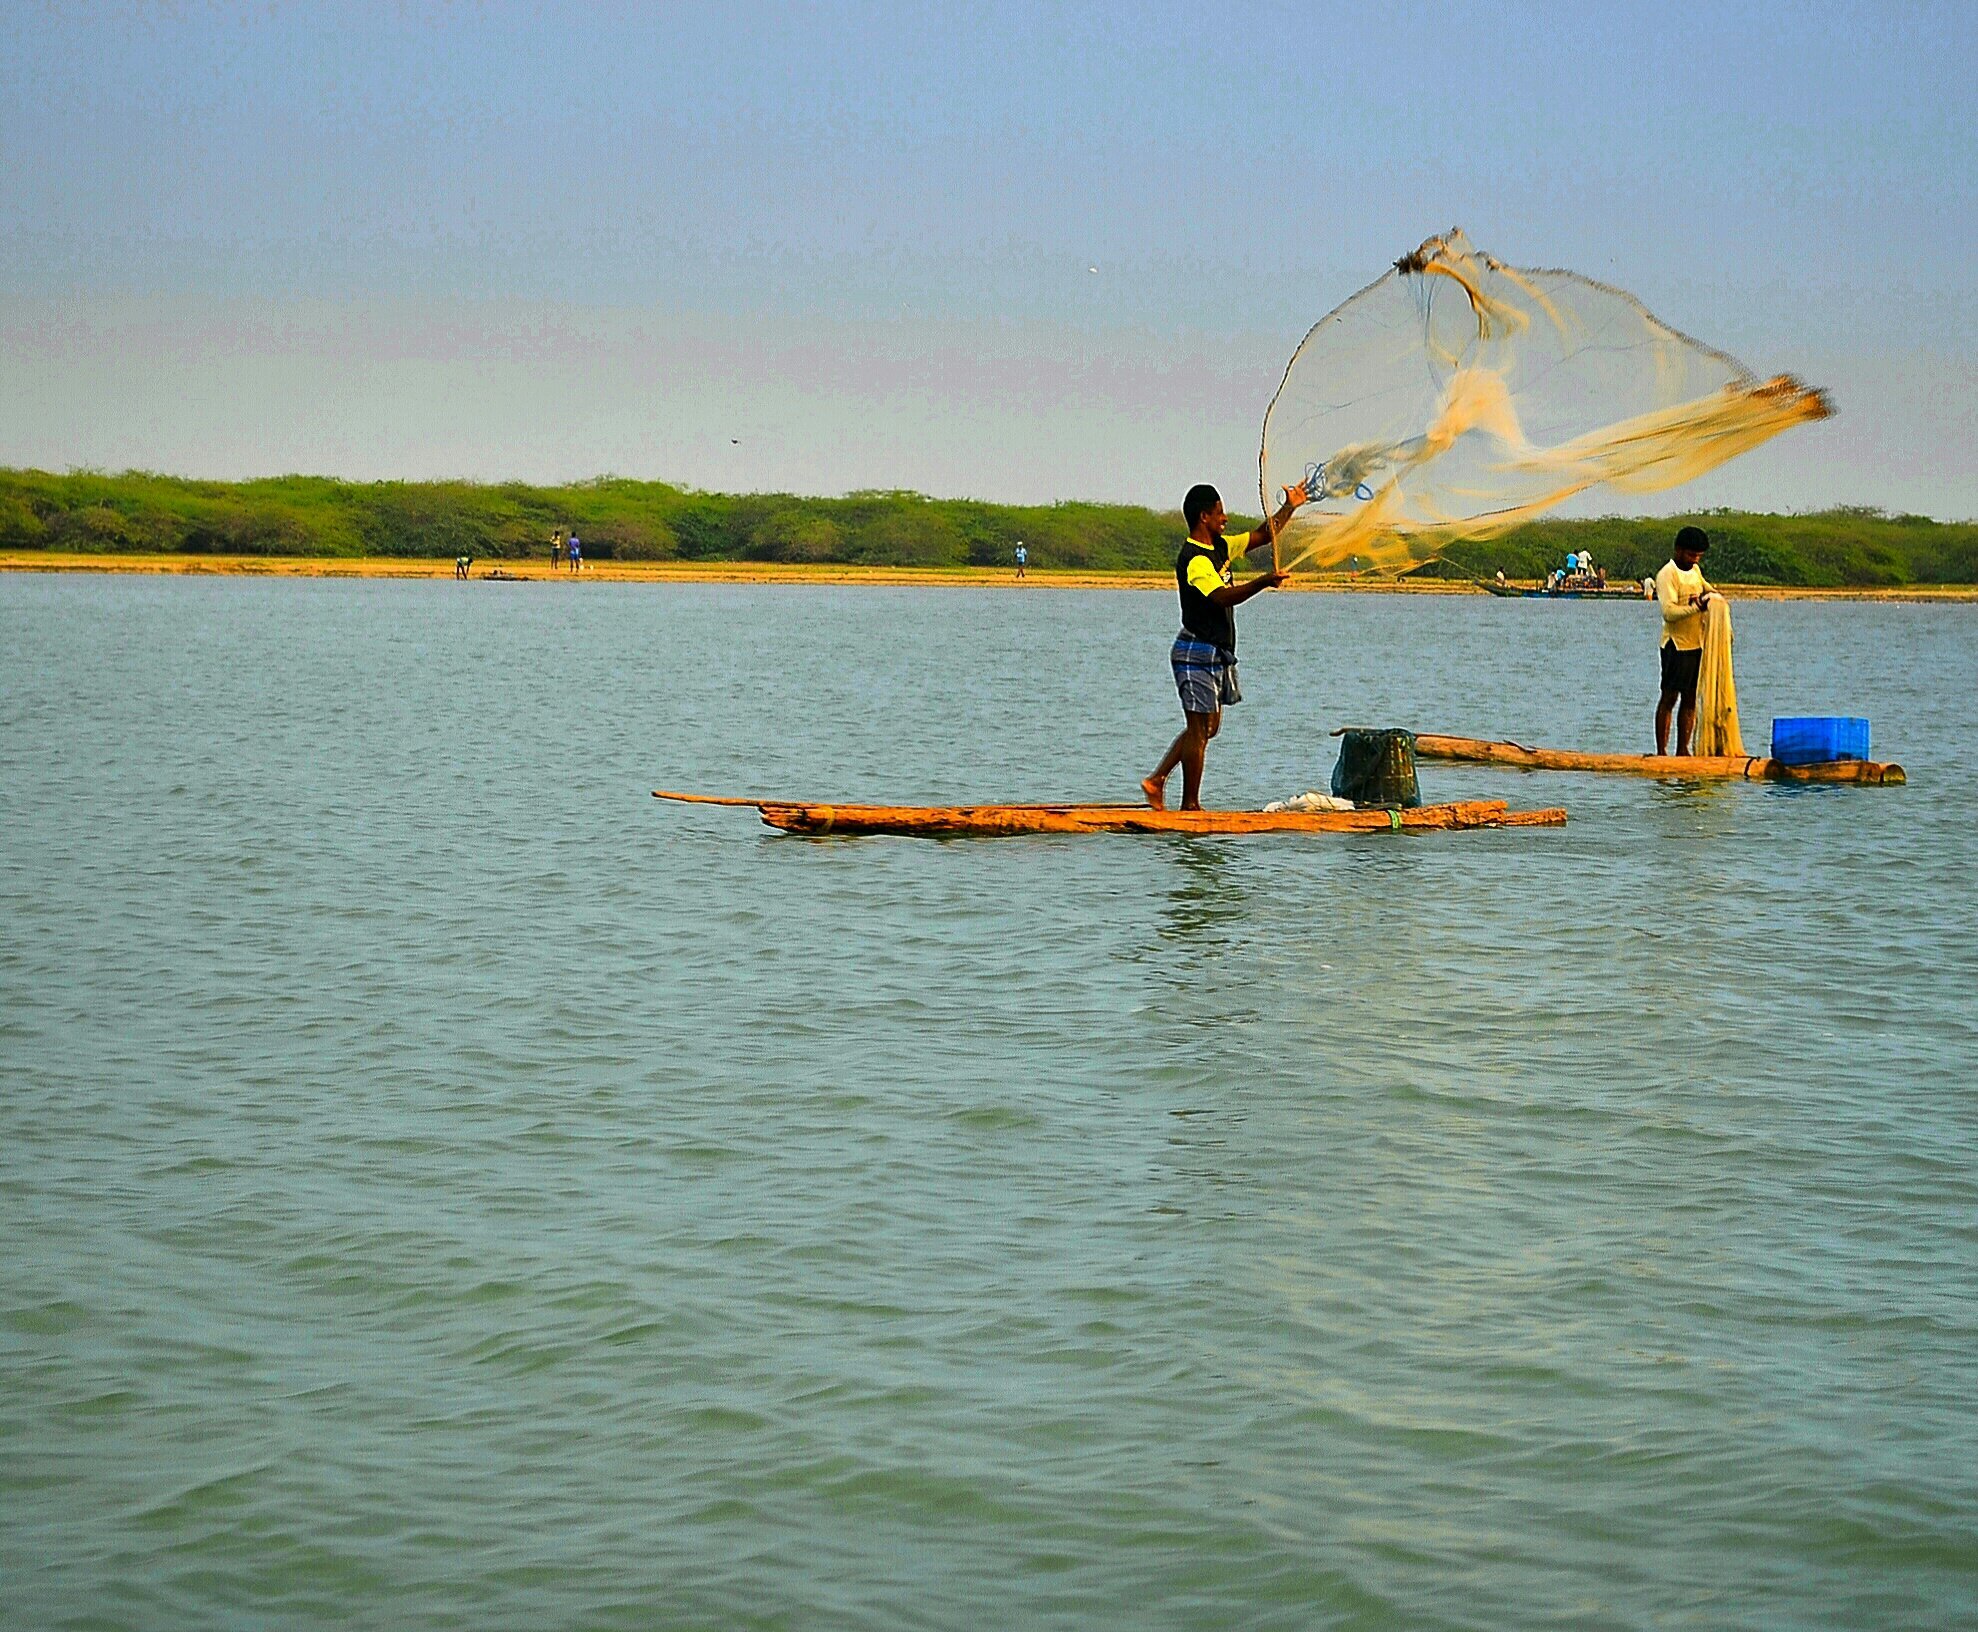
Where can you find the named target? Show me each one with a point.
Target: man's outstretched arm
(1237, 594)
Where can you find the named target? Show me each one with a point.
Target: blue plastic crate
(1818, 740)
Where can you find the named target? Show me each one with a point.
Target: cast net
(1717, 728)
(1457, 397)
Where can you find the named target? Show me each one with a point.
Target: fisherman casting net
(1458, 397)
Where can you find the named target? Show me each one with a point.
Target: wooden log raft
(1733, 767)
(937, 821)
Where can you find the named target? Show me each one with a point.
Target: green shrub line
(624, 520)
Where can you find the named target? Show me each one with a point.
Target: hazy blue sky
(830, 247)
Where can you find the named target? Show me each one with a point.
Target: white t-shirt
(1682, 623)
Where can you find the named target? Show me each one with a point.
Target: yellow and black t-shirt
(1199, 571)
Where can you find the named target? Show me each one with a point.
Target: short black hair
(1202, 498)
(1693, 538)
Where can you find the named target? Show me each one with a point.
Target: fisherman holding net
(1204, 653)
(1682, 594)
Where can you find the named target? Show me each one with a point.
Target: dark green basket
(1376, 770)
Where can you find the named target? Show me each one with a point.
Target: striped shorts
(1204, 674)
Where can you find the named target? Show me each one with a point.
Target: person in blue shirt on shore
(1204, 653)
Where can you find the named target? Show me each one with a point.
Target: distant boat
(1613, 592)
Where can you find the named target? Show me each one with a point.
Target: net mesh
(1717, 728)
(1457, 397)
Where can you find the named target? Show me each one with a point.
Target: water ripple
(449, 1190)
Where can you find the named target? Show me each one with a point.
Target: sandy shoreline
(762, 572)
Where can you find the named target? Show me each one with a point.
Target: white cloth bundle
(1310, 801)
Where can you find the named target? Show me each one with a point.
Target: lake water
(443, 1186)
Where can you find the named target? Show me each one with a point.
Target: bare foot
(1156, 789)
(1196, 806)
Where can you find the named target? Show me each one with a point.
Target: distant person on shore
(1203, 656)
(1022, 555)
(575, 550)
(460, 565)
(1682, 592)
(556, 550)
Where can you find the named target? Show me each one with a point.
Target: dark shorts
(1679, 671)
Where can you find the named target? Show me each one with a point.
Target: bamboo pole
(703, 798)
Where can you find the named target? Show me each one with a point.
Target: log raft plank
(1728, 767)
(757, 801)
(936, 821)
